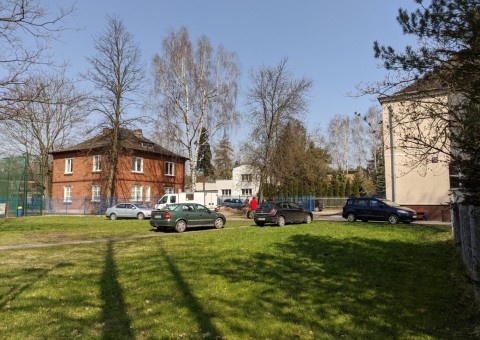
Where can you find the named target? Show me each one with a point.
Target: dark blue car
(233, 203)
(376, 209)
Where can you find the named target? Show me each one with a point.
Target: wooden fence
(466, 232)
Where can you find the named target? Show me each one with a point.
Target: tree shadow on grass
(189, 300)
(355, 288)
(34, 275)
(117, 323)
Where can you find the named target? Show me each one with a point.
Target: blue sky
(330, 42)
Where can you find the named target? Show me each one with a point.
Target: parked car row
(180, 216)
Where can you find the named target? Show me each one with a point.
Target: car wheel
(260, 224)
(351, 217)
(181, 226)
(219, 223)
(113, 217)
(308, 219)
(281, 221)
(141, 216)
(393, 219)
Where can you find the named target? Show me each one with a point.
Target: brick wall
(83, 177)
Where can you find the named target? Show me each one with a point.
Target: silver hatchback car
(129, 210)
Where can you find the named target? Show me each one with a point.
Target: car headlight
(403, 212)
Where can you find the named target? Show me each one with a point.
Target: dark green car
(185, 215)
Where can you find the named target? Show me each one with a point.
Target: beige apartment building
(415, 177)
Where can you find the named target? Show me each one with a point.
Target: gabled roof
(431, 82)
(129, 140)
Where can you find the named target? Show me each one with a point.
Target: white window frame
(67, 194)
(68, 165)
(148, 193)
(136, 193)
(97, 163)
(169, 169)
(137, 164)
(246, 192)
(168, 190)
(226, 192)
(246, 177)
(96, 192)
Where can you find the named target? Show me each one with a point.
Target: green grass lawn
(324, 280)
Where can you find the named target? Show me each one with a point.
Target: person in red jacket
(253, 206)
(253, 203)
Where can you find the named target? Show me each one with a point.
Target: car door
(203, 215)
(288, 212)
(361, 208)
(297, 212)
(120, 210)
(377, 210)
(130, 211)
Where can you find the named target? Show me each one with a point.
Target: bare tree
(22, 20)
(273, 99)
(374, 131)
(358, 142)
(197, 87)
(117, 74)
(47, 118)
(339, 141)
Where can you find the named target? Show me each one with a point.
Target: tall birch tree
(339, 141)
(196, 85)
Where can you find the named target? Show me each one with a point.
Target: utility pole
(392, 152)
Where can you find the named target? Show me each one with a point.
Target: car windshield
(390, 203)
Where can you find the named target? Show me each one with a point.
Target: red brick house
(145, 170)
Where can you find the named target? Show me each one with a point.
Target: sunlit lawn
(325, 280)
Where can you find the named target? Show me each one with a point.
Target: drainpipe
(392, 152)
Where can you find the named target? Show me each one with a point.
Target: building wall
(423, 186)
(236, 184)
(83, 177)
(240, 184)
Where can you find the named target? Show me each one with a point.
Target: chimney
(138, 133)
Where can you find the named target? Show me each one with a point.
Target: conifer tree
(223, 159)
(205, 166)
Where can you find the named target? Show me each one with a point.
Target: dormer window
(147, 145)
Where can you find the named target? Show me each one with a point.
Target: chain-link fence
(18, 190)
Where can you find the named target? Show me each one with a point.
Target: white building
(244, 183)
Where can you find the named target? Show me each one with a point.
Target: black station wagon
(376, 209)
